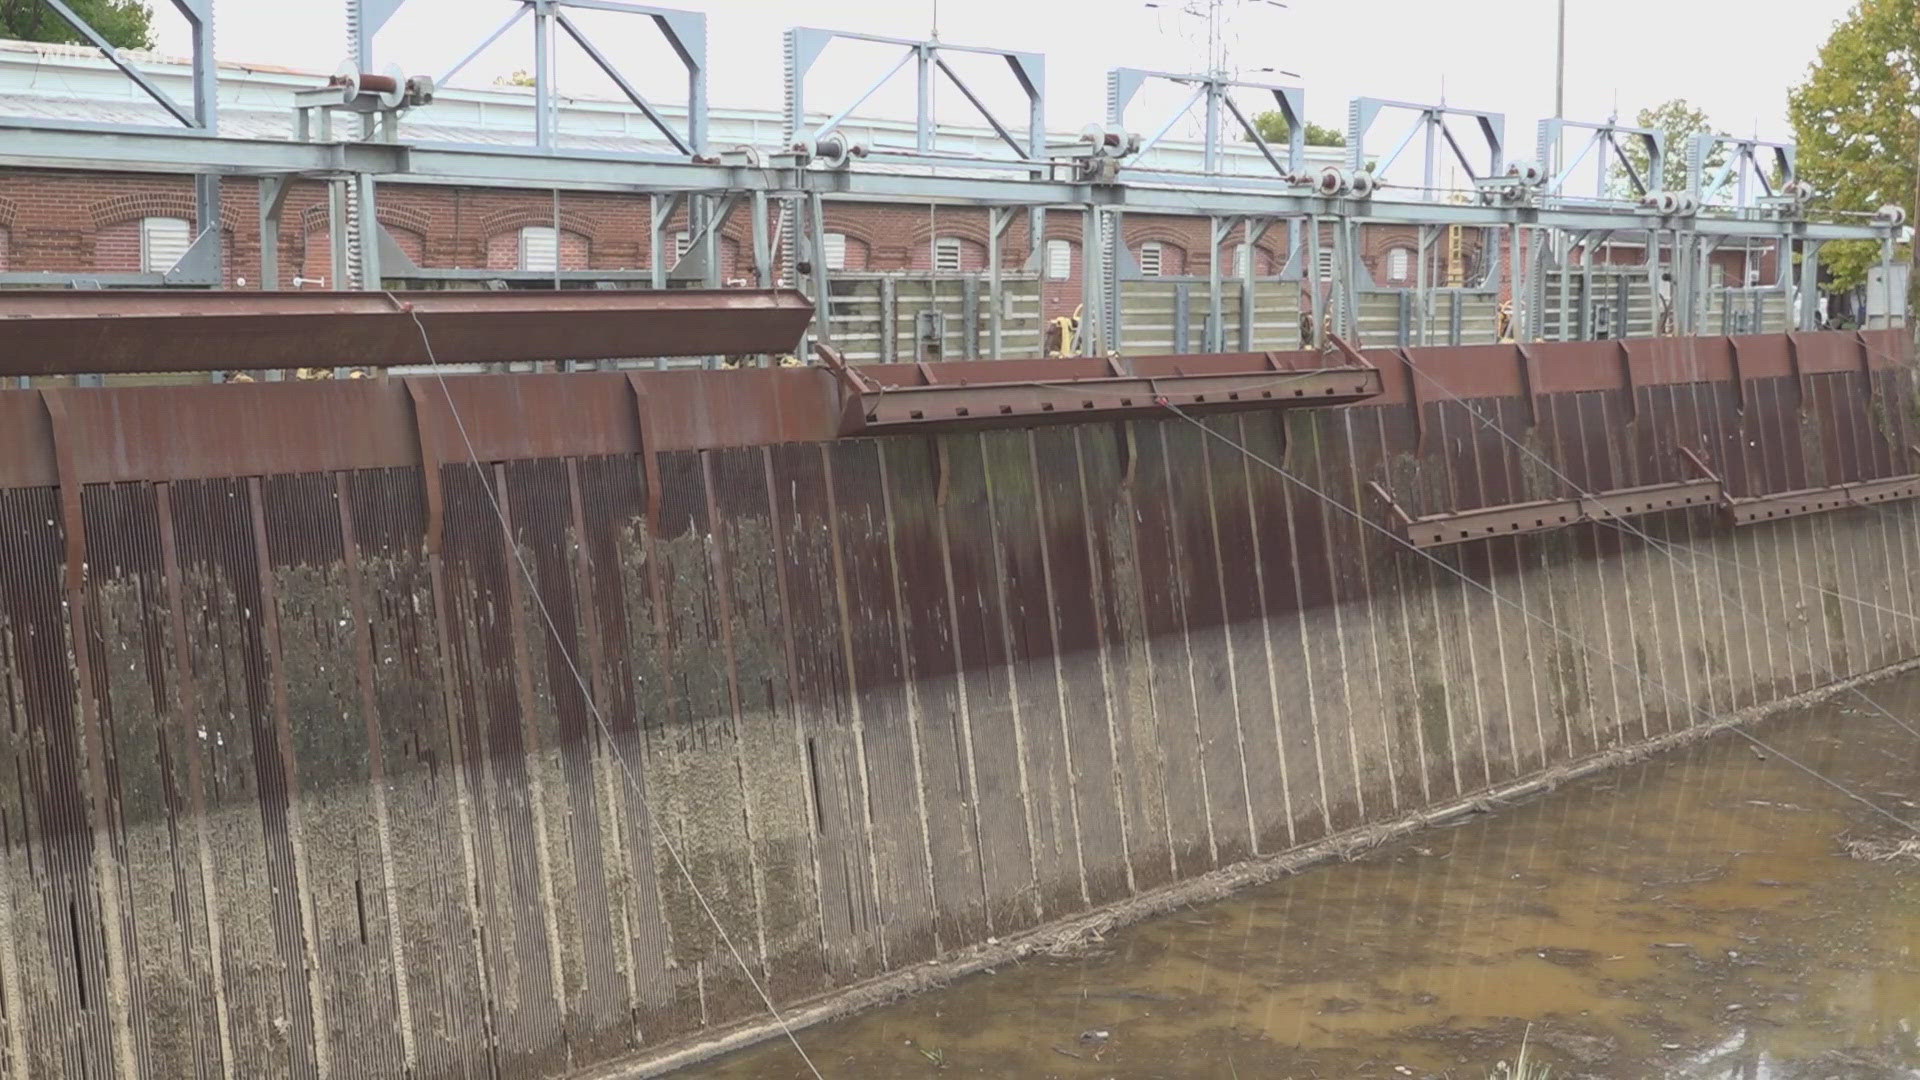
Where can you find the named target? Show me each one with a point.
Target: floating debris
(1877, 850)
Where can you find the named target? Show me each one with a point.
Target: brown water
(1692, 916)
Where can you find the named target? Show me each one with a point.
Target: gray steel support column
(1216, 309)
(661, 209)
(1252, 232)
(702, 224)
(1317, 300)
(1092, 283)
(543, 74)
(273, 200)
(999, 219)
(1565, 322)
(337, 216)
(1113, 232)
(762, 242)
(822, 279)
(1807, 315)
(923, 125)
(367, 274)
(1886, 284)
(1422, 241)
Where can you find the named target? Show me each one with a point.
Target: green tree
(1855, 122)
(1681, 120)
(520, 77)
(126, 24)
(1272, 126)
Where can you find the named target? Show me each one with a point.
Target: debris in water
(1882, 850)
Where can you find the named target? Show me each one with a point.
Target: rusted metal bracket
(1414, 401)
(1336, 343)
(1799, 372)
(430, 465)
(1739, 380)
(649, 449)
(1706, 471)
(73, 520)
(1439, 530)
(1014, 393)
(1868, 389)
(1626, 379)
(1401, 518)
(1788, 504)
(1530, 382)
(122, 331)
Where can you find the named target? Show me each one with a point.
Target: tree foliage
(1273, 127)
(1855, 122)
(126, 24)
(1681, 120)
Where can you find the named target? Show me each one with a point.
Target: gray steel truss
(1528, 227)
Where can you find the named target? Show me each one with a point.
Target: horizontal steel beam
(903, 398)
(54, 333)
(104, 148)
(1788, 504)
(1439, 530)
(35, 144)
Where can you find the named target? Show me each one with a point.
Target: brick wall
(79, 222)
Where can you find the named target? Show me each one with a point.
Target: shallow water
(1691, 916)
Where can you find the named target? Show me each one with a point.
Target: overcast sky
(1735, 58)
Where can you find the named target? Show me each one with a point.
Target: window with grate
(1059, 260)
(1326, 264)
(163, 243)
(1150, 260)
(834, 250)
(1240, 260)
(946, 254)
(682, 243)
(539, 249)
(1399, 264)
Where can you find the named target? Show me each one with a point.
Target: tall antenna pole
(1560, 69)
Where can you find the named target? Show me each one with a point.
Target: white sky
(1735, 58)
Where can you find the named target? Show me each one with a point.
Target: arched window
(1059, 259)
(163, 243)
(1150, 260)
(1399, 264)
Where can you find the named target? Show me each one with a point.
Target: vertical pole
(1809, 313)
(762, 242)
(1560, 70)
(1250, 236)
(1317, 302)
(542, 75)
(998, 220)
(272, 192)
(368, 212)
(1216, 314)
(822, 281)
(337, 232)
(1092, 282)
(923, 124)
(1422, 311)
(206, 114)
(1210, 160)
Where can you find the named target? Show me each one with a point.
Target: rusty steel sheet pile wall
(299, 779)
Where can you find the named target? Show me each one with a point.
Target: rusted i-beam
(56, 333)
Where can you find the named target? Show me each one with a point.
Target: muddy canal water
(1696, 915)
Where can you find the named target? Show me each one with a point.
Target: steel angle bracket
(901, 398)
(1516, 519)
(1824, 500)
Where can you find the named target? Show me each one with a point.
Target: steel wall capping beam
(97, 332)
